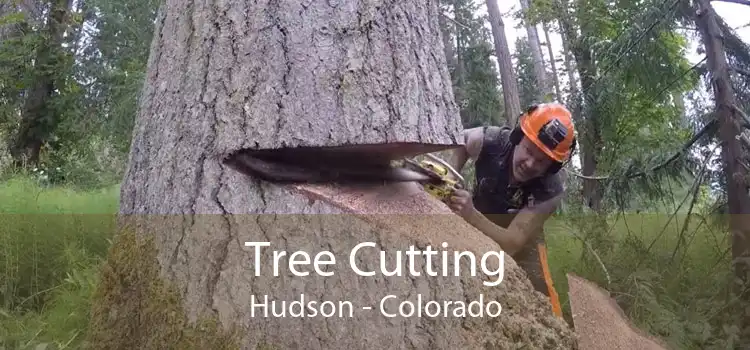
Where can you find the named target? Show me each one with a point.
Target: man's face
(529, 161)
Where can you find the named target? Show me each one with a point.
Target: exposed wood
(600, 323)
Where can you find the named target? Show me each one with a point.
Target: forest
(656, 195)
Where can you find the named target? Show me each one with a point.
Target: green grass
(675, 294)
(52, 240)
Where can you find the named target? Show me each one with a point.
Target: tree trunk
(553, 64)
(536, 54)
(588, 126)
(508, 79)
(447, 42)
(679, 102)
(307, 75)
(732, 155)
(568, 60)
(38, 117)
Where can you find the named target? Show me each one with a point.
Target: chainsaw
(332, 165)
(445, 179)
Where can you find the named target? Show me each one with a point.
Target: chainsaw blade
(322, 172)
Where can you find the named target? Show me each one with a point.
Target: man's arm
(530, 220)
(526, 224)
(473, 139)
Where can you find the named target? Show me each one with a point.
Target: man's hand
(461, 203)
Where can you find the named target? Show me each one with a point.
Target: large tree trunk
(511, 98)
(295, 74)
(737, 180)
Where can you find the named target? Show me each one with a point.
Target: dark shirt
(493, 193)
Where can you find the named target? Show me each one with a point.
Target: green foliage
(475, 79)
(482, 98)
(117, 64)
(669, 277)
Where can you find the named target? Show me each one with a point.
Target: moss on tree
(135, 308)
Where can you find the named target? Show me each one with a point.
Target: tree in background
(469, 53)
(529, 89)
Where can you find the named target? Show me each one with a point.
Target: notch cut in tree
(227, 76)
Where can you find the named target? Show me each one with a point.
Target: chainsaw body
(443, 181)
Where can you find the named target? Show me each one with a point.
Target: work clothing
(493, 196)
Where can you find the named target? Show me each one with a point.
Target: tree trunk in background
(736, 176)
(586, 123)
(38, 118)
(447, 42)
(508, 79)
(679, 102)
(553, 64)
(570, 68)
(536, 54)
(295, 74)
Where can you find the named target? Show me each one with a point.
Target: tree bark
(732, 153)
(508, 78)
(299, 74)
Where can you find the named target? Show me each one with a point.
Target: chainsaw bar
(324, 170)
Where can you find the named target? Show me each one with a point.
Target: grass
(674, 293)
(52, 240)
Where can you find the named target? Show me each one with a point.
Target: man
(517, 185)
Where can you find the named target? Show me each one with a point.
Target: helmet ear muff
(556, 166)
(516, 135)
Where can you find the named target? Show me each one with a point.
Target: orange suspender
(548, 280)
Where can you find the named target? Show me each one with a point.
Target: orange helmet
(550, 127)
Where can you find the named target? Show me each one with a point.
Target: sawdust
(599, 321)
(396, 198)
(401, 206)
(405, 211)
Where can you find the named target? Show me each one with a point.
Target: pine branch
(706, 128)
(454, 21)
